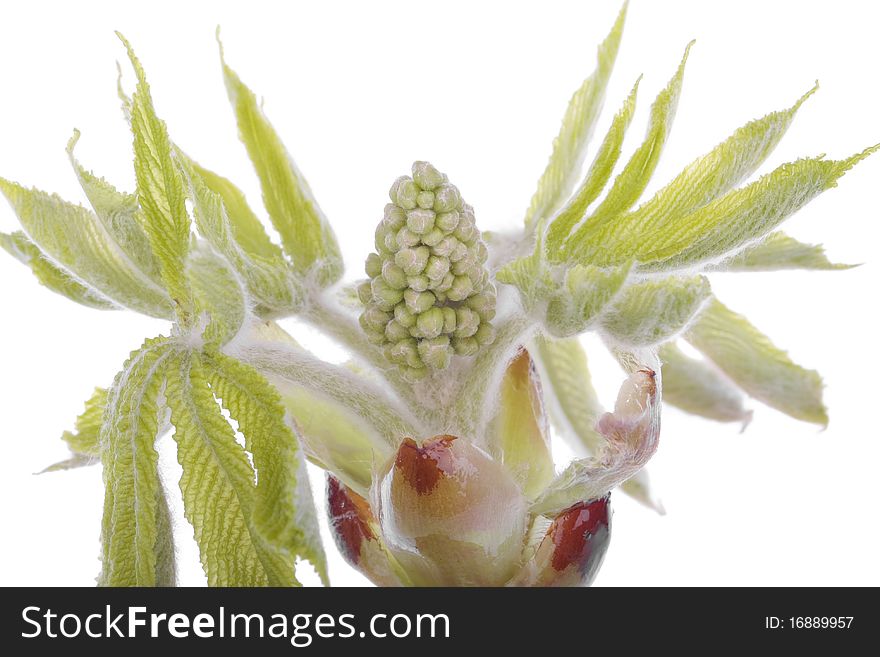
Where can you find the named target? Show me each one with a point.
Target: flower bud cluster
(429, 295)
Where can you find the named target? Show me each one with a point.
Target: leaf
(239, 238)
(72, 238)
(283, 507)
(120, 215)
(598, 175)
(631, 182)
(530, 275)
(569, 147)
(742, 216)
(520, 435)
(218, 294)
(697, 386)
(630, 436)
(586, 292)
(778, 251)
(655, 310)
(305, 233)
(574, 406)
(246, 227)
(333, 437)
(56, 279)
(757, 366)
(706, 178)
(130, 530)
(160, 191)
(85, 439)
(218, 486)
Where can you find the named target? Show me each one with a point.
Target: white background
(358, 91)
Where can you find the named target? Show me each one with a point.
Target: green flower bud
(419, 283)
(373, 266)
(365, 292)
(461, 288)
(426, 176)
(467, 322)
(465, 346)
(394, 216)
(406, 238)
(404, 315)
(436, 352)
(412, 261)
(436, 268)
(485, 334)
(430, 295)
(418, 302)
(483, 304)
(447, 198)
(430, 323)
(395, 332)
(406, 193)
(389, 243)
(420, 221)
(374, 319)
(445, 246)
(448, 320)
(405, 352)
(459, 251)
(448, 221)
(394, 275)
(433, 237)
(385, 296)
(446, 283)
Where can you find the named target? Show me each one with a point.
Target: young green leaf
(757, 366)
(218, 295)
(630, 437)
(698, 387)
(120, 215)
(305, 233)
(520, 435)
(707, 177)
(332, 436)
(239, 237)
(570, 145)
(631, 182)
(53, 277)
(246, 227)
(655, 310)
(72, 237)
(160, 191)
(530, 275)
(580, 300)
(741, 216)
(779, 251)
(218, 485)
(85, 439)
(574, 405)
(130, 530)
(598, 175)
(283, 508)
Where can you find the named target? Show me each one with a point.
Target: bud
(572, 549)
(450, 514)
(428, 274)
(356, 534)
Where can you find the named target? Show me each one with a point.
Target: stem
(386, 416)
(482, 379)
(325, 314)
